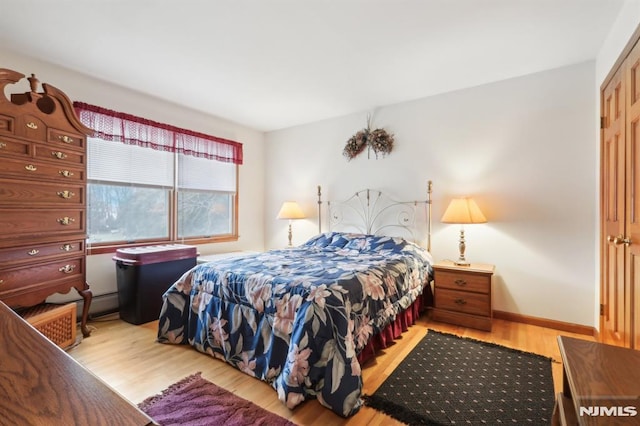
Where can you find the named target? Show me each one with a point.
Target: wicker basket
(56, 322)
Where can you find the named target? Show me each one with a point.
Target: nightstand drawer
(465, 320)
(461, 301)
(462, 281)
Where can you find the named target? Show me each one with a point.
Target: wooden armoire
(620, 200)
(42, 195)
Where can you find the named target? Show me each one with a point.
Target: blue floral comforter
(297, 318)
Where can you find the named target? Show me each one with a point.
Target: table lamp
(463, 211)
(290, 210)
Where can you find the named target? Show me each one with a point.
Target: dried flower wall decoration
(378, 140)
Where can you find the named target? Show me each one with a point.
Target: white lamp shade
(290, 210)
(463, 210)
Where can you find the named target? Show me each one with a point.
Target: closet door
(615, 320)
(620, 288)
(632, 112)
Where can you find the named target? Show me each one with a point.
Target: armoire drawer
(6, 124)
(41, 222)
(29, 276)
(64, 138)
(30, 127)
(38, 251)
(14, 148)
(20, 193)
(37, 170)
(461, 301)
(58, 154)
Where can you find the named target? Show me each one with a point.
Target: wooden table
(601, 384)
(40, 384)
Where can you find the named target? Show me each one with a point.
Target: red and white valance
(130, 129)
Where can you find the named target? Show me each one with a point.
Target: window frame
(119, 127)
(112, 246)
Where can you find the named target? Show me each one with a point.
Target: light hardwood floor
(127, 358)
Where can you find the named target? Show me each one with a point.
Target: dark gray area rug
(450, 380)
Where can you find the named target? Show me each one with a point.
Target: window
(127, 213)
(157, 188)
(206, 194)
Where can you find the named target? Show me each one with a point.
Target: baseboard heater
(102, 304)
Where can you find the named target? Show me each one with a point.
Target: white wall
(100, 268)
(621, 31)
(524, 148)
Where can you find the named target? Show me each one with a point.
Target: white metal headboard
(369, 211)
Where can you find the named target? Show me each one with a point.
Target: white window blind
(208, 175)
(118, 162)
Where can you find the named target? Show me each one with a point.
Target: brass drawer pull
(67, 269)
(3, 145)
(65, 194)
(461, 301)
(59, 155)
(33, 252)
(460, 283)
(66, 220)
(1, 281)
(66, 247)
(32, 125)
(30, 167)
(65, 139)
(66, 173)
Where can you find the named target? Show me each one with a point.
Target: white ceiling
(272, 64)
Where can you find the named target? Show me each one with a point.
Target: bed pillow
(359, 243)
(340, 239)
(320, 240)
(334, 240)
(376, 243)
(393, 244)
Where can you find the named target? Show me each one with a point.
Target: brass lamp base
(461, 246)
(290, 234)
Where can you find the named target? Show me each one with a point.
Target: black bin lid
(155, 254)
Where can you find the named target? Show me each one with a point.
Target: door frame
(635, 38)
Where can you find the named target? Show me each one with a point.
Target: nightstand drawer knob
(460, 283)
(461, 301)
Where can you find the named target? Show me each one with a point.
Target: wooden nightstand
(462, 294)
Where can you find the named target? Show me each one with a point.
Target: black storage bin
(145, 273)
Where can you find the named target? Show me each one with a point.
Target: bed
(304, 318)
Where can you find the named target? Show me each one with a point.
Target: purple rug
(196, 401)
